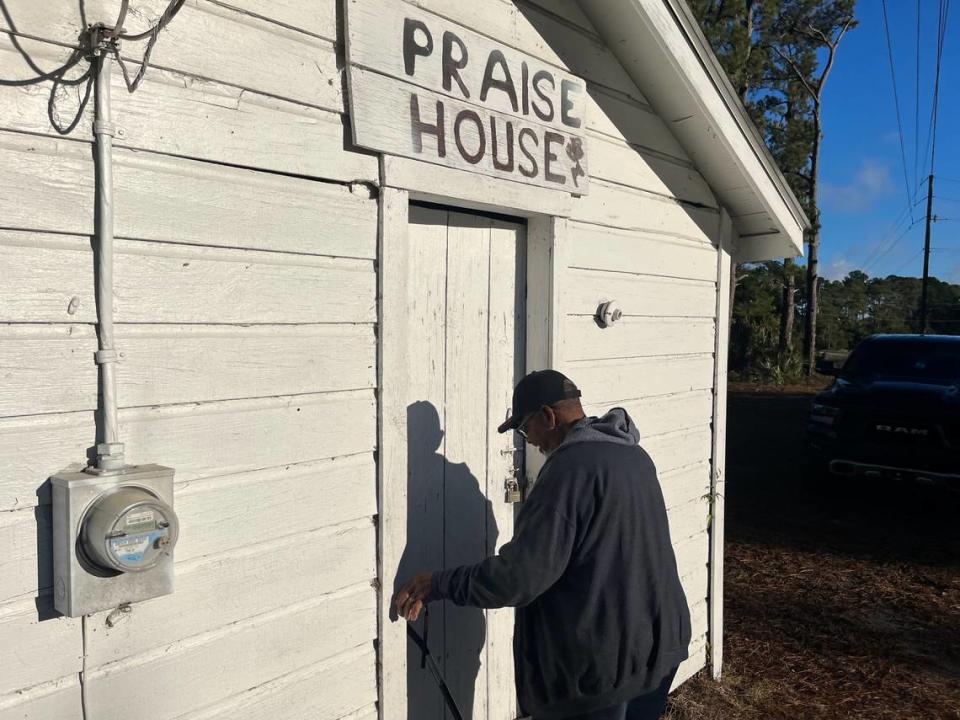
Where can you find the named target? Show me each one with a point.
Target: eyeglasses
(522, 427)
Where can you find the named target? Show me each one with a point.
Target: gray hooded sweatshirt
(601, 615)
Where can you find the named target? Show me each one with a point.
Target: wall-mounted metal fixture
(608, 313)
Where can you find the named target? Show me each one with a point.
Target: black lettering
(451, 67)
(508, 165)
(525, 88)
(537, 77)
(411, 48)
(549, 138)
(527, 132)
(418, 127)
(566, 104)
(474, 158)
(506, 85)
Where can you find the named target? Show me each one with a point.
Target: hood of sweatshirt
(615, 427)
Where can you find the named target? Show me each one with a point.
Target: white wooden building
(322, 337)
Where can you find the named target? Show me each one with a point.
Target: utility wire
(916, 107)
(941, 29)
(942, 32)
(151, 34)
(912, 258)
(894, 228)
(891, 246)
(896, 103)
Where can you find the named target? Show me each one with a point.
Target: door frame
(546, 211)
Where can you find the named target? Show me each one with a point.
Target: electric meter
(128, 530)
(113, 538)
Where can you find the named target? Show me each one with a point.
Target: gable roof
(660, 45)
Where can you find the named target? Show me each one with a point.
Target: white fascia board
(660, 46)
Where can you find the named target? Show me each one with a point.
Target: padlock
(512, 493)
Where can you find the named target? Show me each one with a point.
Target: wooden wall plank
(625, 208)
(327, 492)
(658, 414)
(689, 519)
(636, 337)
(693, 664)
(625, 164)
(58, 699)
(436, 183)
(678, 449)
(685, 484)
(340, 688)
(31, 651)
(48, 186)
(694, 581)
(49, 278)
(699, 611)
(186, 676)
(693, 553)
(326, 561)
(341, 488)
(26, 565)
(197, 439)
(317, 17)
(301, 68)
(466, 514)
(177, 114)
(611, 382)
(639, 295)
(623, 119)
(159, 364)
(641, 253)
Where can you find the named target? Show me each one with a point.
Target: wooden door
(465, 345)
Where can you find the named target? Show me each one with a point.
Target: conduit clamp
(103, 127)
(106, 356)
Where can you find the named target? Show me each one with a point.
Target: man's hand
(410, 599)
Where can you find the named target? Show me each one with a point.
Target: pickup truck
(892, 412)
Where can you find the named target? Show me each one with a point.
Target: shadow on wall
(583, 52)
(444, 511)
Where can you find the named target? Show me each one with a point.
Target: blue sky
(863, 194)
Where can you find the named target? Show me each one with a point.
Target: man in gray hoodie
(602, 621)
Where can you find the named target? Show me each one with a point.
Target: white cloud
(871, 183)
(838, 269)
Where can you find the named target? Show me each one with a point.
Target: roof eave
(660, 45)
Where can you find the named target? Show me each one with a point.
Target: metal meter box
(113, 538)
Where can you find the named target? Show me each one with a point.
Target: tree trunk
(748, 26)
(787, 310)
(813, 268)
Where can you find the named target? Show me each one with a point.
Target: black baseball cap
(539, 388)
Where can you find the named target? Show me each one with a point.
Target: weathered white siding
(246, 309)
(245, 289)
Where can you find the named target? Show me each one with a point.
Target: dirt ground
(844, 605)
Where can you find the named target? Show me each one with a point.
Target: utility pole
(926, 258)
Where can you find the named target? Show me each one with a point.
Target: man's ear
(550, 417)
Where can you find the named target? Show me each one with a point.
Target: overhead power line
(941, 37)
(916, 107)
(886, 251)
(912, 258)
(896, 102)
